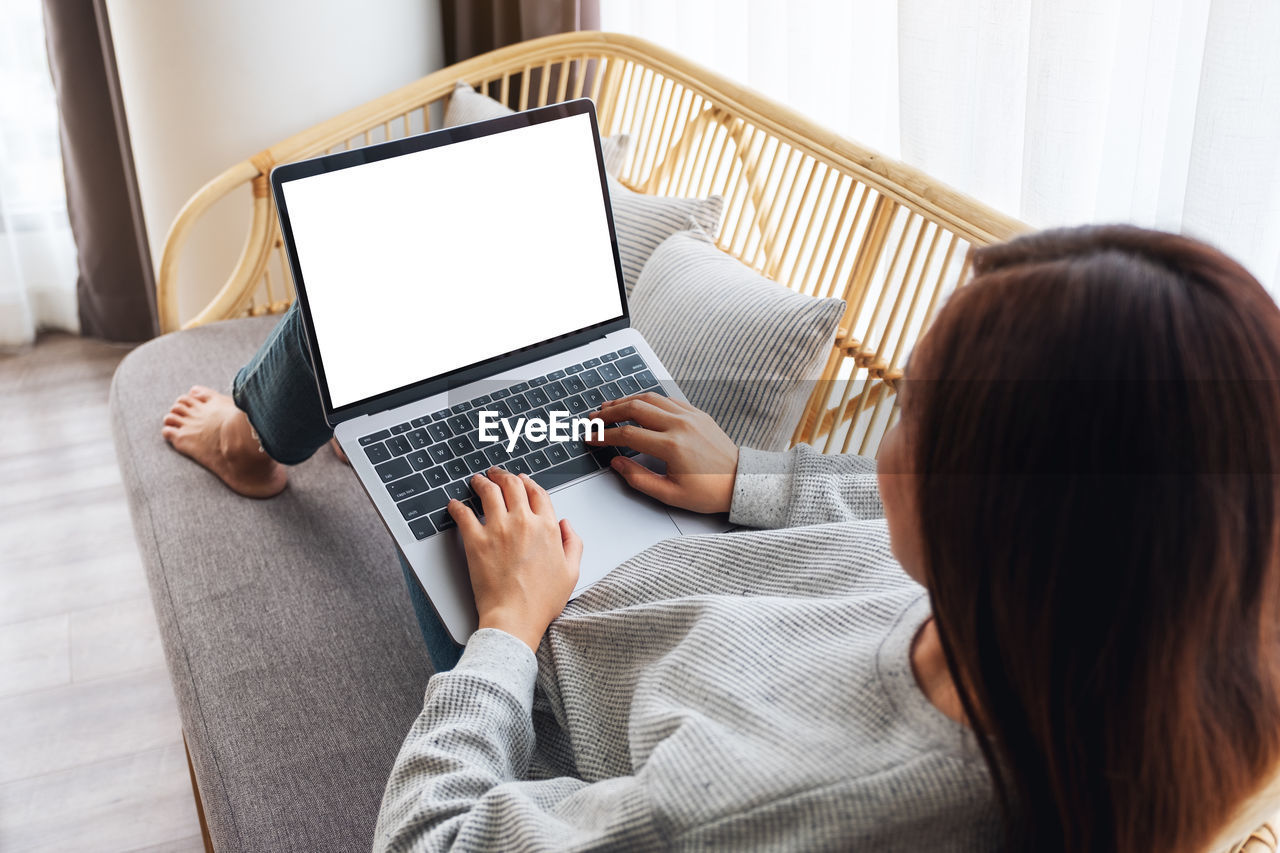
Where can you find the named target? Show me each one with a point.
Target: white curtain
(1164, 113)
(37, 252)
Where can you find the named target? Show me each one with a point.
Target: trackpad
(615, 523)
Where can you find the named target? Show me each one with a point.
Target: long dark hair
(1095, 421)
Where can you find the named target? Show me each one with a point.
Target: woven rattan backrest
(817, 213)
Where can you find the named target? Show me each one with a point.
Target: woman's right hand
(702, 461)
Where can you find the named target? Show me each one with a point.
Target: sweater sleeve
(802, 486)
(456, 783)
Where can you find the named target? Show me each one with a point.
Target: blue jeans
(277, 391)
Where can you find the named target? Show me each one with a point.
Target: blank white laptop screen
(424, 263)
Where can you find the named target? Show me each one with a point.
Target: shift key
(423, 504)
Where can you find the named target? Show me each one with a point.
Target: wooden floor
(91, 754)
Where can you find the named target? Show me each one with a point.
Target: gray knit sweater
(746, 691)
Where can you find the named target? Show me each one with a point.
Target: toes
(173, 420)
(201, 393)
(168, 433)
(187, 400)
(180, 408)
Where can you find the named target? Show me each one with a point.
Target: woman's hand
(523, 563)
(702, 461)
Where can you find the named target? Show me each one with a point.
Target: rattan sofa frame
(810, 209)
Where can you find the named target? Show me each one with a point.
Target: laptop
(460, 285)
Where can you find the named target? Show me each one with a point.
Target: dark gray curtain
(116, 284)
(477, 26)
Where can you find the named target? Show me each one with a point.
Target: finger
(490, 495)
(571, 542)
(643, 412)
(513, 490)
(539, 500)
(662, 401)
(643, 480)
(468, 524)
(635, 437)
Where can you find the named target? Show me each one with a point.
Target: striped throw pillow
(644, 221)
(744, 349)
(466, 106)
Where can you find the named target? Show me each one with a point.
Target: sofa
(294, 653)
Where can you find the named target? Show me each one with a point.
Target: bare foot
(207, 427)
(338, 451)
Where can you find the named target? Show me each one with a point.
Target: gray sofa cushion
(292, 646)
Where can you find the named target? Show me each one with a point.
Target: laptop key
(399, 428)
(436, 477)
(477, 402)
(459, 424)
(609, 356)
(439, 430)
(593, 397)
(440, 415)
(626, 350)
(574, 384)
(460, 444)
(442, 520)
(536, 397)
(377, 453)
(573, 368)
(591, 362)
(576, 404)
(518, 466)
(421, 528)
(377, 436)
(538, 461)
(459, 491)
(609, 372)
(440, 453)
(461, 407)
(500, 393)
(574, 448)
(419, 438)
(398, 445)
(646, 379)
(534, 383)
(519, 386)
(631, 364)
(566, 472)
(554, 375)
(520, 448)
(602, 455)
(517, 403)
(592, 378)
(420, 422)
(611, 391)
(421, 505)
(457, 469)
(556, 391)
(477, 462)
(407, 488)
(497, 454)
(419, 459)
(557, 454)
(393, 469)
(628, 385)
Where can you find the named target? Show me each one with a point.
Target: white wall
(207, 84)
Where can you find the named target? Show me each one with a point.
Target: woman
(1057, 634)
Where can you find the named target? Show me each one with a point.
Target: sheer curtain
(37, 253)
(1164, 113)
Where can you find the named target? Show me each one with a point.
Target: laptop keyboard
(427, 461)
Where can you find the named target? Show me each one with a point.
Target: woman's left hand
(523, 563)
